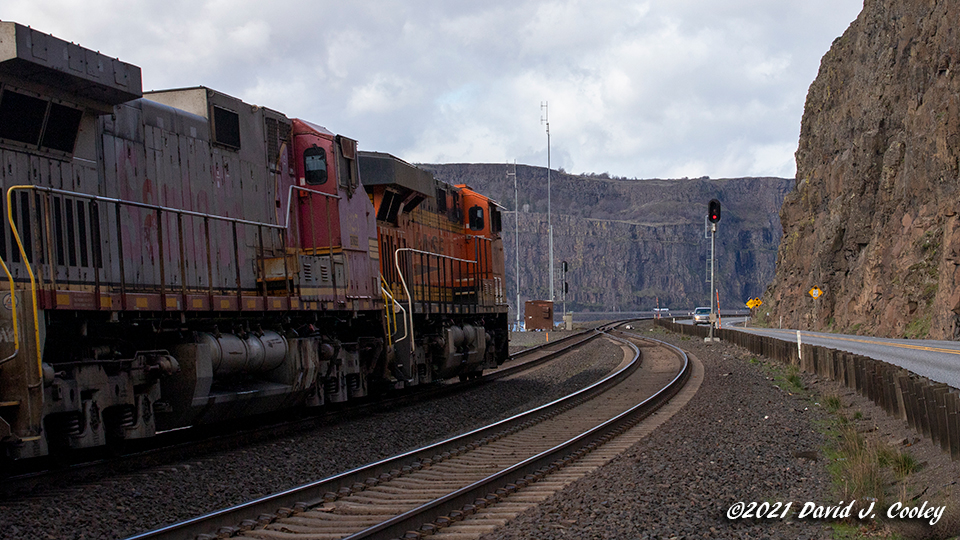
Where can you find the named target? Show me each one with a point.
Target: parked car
(701, 315)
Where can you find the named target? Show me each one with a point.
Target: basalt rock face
(873, 220)
(630, 242)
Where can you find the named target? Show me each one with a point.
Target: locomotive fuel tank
(227, 376)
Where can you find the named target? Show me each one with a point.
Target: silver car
(701, 315)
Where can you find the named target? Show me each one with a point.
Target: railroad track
(184, 444)
(440, 487)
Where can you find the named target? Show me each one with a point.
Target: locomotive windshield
(315, 165)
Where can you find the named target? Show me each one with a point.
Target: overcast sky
(659, 88)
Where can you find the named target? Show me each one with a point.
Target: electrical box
(538, 315)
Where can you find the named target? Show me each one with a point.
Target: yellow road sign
(815, 293)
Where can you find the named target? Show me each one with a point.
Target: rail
(314, 493)
(542, 463)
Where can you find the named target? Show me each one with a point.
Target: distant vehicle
(661, 310)
(701, 315)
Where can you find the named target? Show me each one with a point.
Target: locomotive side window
(315, 165)
(21, 117)
(226, 127)
(456, 214)
(496, 224)
(60, 133)
(38, 122)
(389, 207)
(441, 200)
(476, 218)
(347, 171)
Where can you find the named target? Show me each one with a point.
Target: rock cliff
(629, 242)
(873, 220)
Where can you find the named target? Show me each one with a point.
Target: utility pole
(545, 119)
(516, 204)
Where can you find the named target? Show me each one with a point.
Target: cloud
(635, 88)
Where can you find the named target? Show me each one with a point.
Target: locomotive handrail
(162, 208)
(120, 202)
(159, 208)
(13, 308)
(33, 281)
(403, 281)
(100, 198)
(301, 188)
(391, 314)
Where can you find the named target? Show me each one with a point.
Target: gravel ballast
(128, 504)
(740, 438)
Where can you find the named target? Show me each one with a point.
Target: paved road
(936, 360)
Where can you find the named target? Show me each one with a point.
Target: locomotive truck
(180, 257)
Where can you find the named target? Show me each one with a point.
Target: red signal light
(713, 211)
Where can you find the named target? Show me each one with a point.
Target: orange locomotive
(441, 259)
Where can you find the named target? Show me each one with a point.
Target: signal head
(713, 211)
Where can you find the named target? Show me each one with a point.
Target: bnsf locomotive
(181, 257)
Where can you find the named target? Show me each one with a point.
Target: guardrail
(929, 407)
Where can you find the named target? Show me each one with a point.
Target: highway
(937, 360)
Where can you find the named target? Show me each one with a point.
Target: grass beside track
(865, 468)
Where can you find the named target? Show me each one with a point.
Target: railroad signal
(713, 211)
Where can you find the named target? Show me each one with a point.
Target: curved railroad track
(433, 489)
(184, 444)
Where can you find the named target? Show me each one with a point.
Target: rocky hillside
(873, 220)
(628, 242)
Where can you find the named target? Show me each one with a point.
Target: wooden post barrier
(931, 409)
(923, 412)
(953, 424)
(898, 392)
(940, 395)
(890, 392)
(909, 401)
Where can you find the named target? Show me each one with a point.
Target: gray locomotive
(181, 257)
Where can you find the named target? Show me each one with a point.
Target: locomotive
(179, 257)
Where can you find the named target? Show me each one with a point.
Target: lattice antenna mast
(516, 204)
(545, 119)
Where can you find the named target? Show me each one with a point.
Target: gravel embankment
(122, 506)
(524, 340)
(736, 440)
